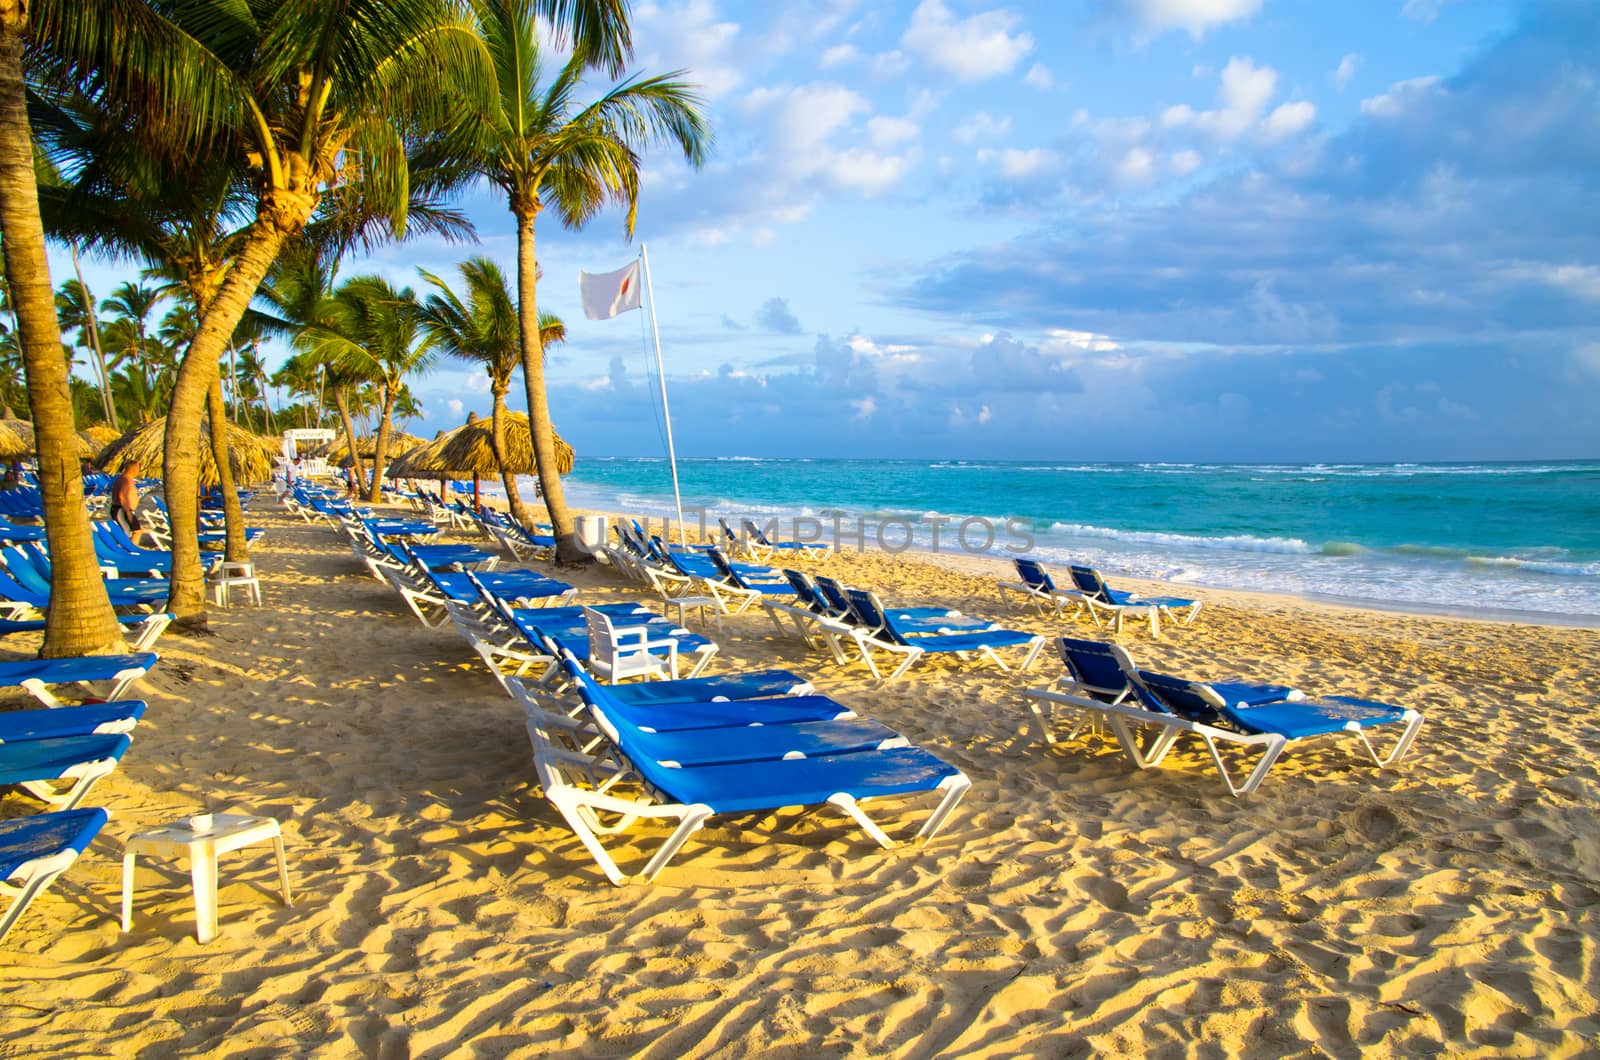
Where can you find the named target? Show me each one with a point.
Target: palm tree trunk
(79, 620)
(238, 548)
(106, 404)
(381, 446)
(544, 435)
(181, 459)
(497, 441)
(343, 402)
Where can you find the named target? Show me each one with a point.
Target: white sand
(1072, 905)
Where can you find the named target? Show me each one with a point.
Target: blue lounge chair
(877, 628)
(1097, 596)
(910, 619)
(61, 769)
(1276, 725)
(142, 631)
(89, 719)
(1103, 675)
(755, 534)
(588, 798)
(37, 675)
(1039, 589)
(678, 737)
(35, 850)
(1264, 717)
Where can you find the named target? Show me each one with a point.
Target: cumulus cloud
(1288, 119)
(774, 315)
(1423, 11)
(689, 36)
(886, 131)
(838, 55)
(982, 126)
(1346, 70)
(1194, 16)
(1040, 77)
(1242, 96)
(975, 48)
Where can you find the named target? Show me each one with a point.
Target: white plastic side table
(684, 603)
(231, 575)
(202, 838)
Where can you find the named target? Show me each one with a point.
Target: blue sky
(1097, 229)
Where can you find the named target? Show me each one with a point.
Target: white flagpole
(661, 371)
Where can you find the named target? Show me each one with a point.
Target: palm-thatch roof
(23, 432)
(12, 444)
(98, 436)
(468, 451)
(338, 450)
(250, 455)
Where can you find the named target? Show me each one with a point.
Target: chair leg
(954, 788)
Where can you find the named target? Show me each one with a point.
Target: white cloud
(1580, 281)
(804, 117)
(864, 407)
(1183, 163)
(1066, 340)
(1400, 95)
(1195, 16)
(1347, 70)
(868, 172)
(1242, 97)
(838, 55)
(984, 414)
(1287, 119)
(886, 132)
(455, 406)
(1017, 163)
(982, 126)
(687, 36)
(1423, 11)
(1587, 358)
(969, 49)
(1137, 166)
(1040, 77)
(890, 64)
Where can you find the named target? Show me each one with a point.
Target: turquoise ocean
(1493, 539)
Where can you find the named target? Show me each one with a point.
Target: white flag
(605, 294)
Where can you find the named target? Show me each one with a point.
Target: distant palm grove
(234, 153)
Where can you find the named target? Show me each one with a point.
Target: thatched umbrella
(12, 444)
(250, 455)
(471, 447)
(23, 429)
(467, 452)
(338, 451)
(99, 436)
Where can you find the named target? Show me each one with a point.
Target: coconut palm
(485, 329)
(541, 146)
(372, 329)
(75, 310)
(307, 97)
(80, 620)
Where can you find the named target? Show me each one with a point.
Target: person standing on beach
(125, 501)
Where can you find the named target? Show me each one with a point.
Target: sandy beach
(1072, 906)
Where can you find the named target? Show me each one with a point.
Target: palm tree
(372, 329)
(541, 147)
(485, 329)
(307, 97)
(304, 98)
(75, 309)
(80, 620)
